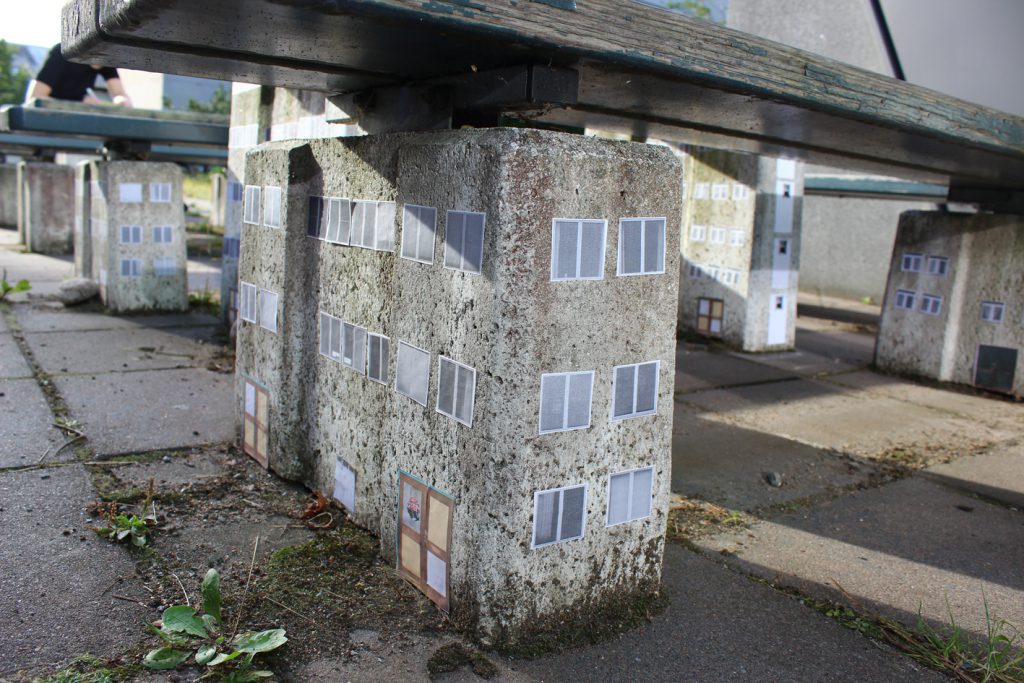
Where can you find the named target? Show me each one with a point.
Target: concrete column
(493, 268)
(219, 198)
(954, 302)
(8, 196)
(46, 207)
(83, 221)
(137, 233)
(741, 252)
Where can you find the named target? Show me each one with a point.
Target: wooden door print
(254, 421)
(424, 537)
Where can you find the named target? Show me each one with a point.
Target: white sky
(32, 23)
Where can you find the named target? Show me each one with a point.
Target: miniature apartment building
(954, 303)
(46, 205)
(130, 234)
(468, 337)
(740, 244)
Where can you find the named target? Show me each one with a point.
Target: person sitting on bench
(60, 79)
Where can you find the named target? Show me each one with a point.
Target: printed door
(254, 421)
(424, 538)
(709, 316)
(778, 318)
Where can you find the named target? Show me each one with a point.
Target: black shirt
(68, 80)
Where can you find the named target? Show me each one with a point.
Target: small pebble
(167, 458)
(44, 475)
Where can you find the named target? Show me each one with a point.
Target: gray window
(931, 304)
(629, 495)
(131, 234)
(162, 234)
(911, 263)
(129, 193)
(373, 225)
(419, 229)
(315, 224)
(160, 193)
(464, 241)
(247, 302)
(905, 299)
(378, 349)
(641, 246)
(272, 206)
(251, 207)
(577, 249)
(412, 372)
(938, 265)
(635, 390)
(558, 515)
(337, 220)
(131, 267)
(331, 337)
(456, 389)
(164, 266)
(353, 354)
(268, 310)
(993, 311)
(565, 399)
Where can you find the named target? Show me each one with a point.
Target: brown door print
(254, 423)
(709, 316)
(424, 538)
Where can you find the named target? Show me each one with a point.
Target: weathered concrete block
(954, 309)
(8, 195)
(77, 290)
(136, 229)
(218, 198)
(555, 486)
(46, 213)
(741, 254)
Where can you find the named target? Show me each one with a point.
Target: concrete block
(137, 232)
(954, 308)
(83, 220)
(219, 191)
(8, 196)
(495, 467)
(741, 253)
(46, 215)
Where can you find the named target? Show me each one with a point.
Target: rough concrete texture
(8, 196)
(149, 409)
(74, 573)
(26, 425)
(511, 323)
(44, 273)
(12, 362)
(986, 264)
(994, 475)
(77, 290)
(124, 193)
(46, 217)
(697, 369)
(42, 320)
(730, 196)
(83, 220)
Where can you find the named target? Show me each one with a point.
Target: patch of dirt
(692, 518)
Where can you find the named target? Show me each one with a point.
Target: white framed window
(931, 304)
(694, 271)
(373, 225)
(911, 263)
(717, 235)
(131, 234)
(701, 190)
(247, 301)
(641, 246)
(251, 207)
(419, 231)
(234, 191)
(577, 249)
(635, 390)
(129, 193)
(938, 265)
(630, 494)
(731, 276)
(345, 484)
(162, 234)
(993, 311)
(711, 272)
(456, 390)
(412, 372)
(353, 347)
(740, 191)
(131, 267)
(315, 225)
(558, 515)
(331, 338)
(720, 191)
(378, 348)
(337, 221)
(464, 241)
(737, 238)
(272, 206)
(164, 266)
(268, 310)
(905, 299)
(565, 401)
(160, 193)
(698, 233)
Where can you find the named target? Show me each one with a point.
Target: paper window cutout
(911, 263)
(938, 265)
(234, 191)
(338, 221)
(268, 310)
(698, 233)
(345, 484)
(719, 191)
(695, 271)
(247, 299)
(412, 372)
(372, 225)
(717, 235)
(424, 538)
(710, 314)
(456, 390)
(905, 299)
(437, 574)
(255, 419)
(785, 169)
(378, 349)
(163, 234)
(315, 225)
(931, 304)
(165, 266)
(565, 401)
(641, 246)
(272, 206)
(577, 249)
(630, 495)
(740, 191)
(251, 207)
(993, 311)
(701, 190)
(737, 238)
(332, 339)
(464, 241)
(712, 273)
(995, 368)
(419, 231)
(160, 193)
(353, 353)
(232, 247)
(129, 193)
(558, 515)
(131, 267)
(635, 390)
(731, 276)
(131, 234)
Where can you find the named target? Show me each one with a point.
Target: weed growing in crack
(7, 288)
(122, 527)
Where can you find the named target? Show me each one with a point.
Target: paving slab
(119, 350)
(997, 475)
(44, 273)
(696, 370)
(35, 319)
(12, 363)
(141, 411)
(802, 363)
(728, 465)
(897, 548)
(58, 579)
(176, 470)
(837, 342)
(26, 425)
(204, 275)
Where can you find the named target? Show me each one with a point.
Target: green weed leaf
(184, 619)
(205, 653)
(223, 657)
(264, 641)
(167, 636)
(164, 658)
(211, 594)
